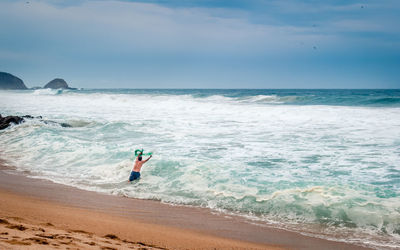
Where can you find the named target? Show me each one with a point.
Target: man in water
(135, 174)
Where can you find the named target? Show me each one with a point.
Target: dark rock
(57, 83)
(8, 120)
(65, 125)
(62, 124)
(8, 81)
(31, 117)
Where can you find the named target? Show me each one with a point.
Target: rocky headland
(9, 81)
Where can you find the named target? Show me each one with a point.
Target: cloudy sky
(202, 43)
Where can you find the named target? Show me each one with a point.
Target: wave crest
(49, 91)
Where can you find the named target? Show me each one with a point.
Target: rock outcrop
(57, 83)
(8, 81)
(8, 120)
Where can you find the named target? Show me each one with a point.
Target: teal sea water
(323, 162)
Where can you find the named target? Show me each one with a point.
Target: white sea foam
(265, 99)
(48, 91)
(331, 165)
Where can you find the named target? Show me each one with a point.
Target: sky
(202, 44)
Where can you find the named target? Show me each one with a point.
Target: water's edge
(182, 216)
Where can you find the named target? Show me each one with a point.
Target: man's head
(140, 158)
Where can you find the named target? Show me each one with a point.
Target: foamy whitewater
(322, 162)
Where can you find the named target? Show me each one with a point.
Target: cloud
(135, 27)
(139, 26)
(238, 40)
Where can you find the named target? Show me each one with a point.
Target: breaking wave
(321, 162)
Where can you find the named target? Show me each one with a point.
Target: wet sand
(54, 215)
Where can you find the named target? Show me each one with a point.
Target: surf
(297, 159)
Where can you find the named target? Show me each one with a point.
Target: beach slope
(36, 212)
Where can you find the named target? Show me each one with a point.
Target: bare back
(138, 165)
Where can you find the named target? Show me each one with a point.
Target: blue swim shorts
(134, 176)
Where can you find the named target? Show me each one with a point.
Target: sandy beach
(36, 212)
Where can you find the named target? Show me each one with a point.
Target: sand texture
(16, 233)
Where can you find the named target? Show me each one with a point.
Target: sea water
(322, 162)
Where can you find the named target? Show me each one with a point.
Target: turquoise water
(324, 162)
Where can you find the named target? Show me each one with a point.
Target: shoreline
(150, 222)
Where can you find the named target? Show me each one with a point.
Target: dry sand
(20, 233)
(29, 222)
(40, 214)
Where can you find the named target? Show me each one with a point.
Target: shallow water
(323, 161)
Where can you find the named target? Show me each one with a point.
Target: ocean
(320, 162)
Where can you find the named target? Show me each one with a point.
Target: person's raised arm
(148, 159)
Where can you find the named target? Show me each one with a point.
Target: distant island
(57, 83)
(9, 81)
